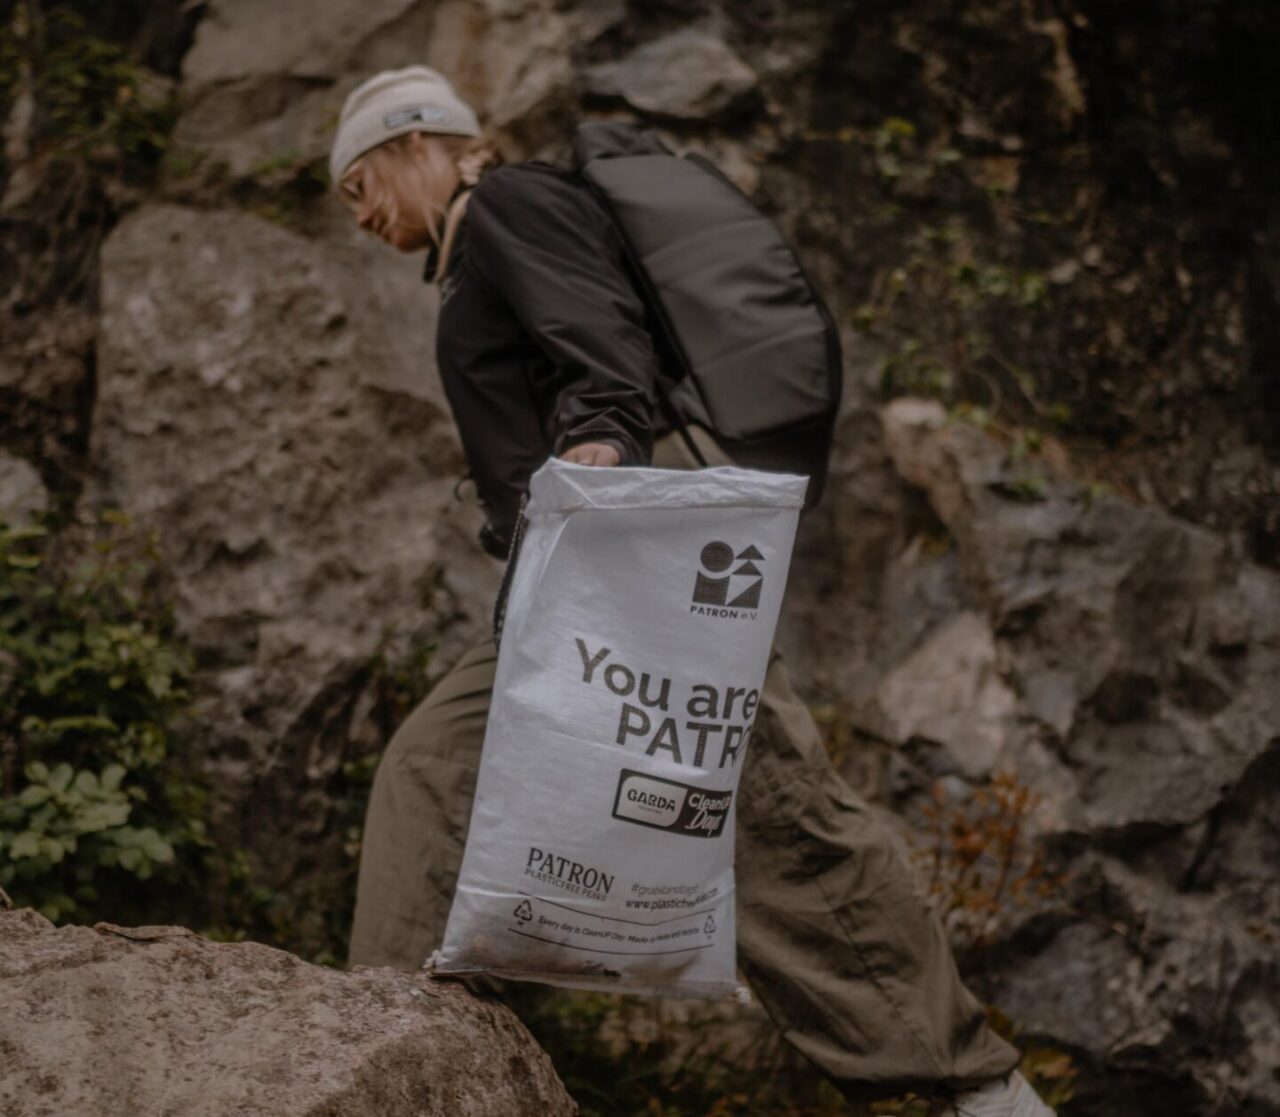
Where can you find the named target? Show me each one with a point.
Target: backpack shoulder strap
(453, 219)
(613, 139)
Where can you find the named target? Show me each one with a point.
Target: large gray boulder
(156, 1020)
(268, 405)
(689, 74)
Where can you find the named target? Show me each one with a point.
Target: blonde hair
(470, 155)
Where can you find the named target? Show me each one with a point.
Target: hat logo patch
(422, 114)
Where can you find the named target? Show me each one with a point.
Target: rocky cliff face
(262, 399)
(1017, 210)
(1026, 206)
(1124, 664)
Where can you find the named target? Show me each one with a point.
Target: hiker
(543, 350)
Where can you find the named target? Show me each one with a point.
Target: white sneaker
(1002, 1098)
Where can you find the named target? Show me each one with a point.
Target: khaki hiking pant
(832, 936)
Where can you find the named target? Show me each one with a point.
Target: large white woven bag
(637, 634)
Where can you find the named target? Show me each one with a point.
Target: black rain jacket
(542, 340)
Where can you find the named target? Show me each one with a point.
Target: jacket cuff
(628, 452)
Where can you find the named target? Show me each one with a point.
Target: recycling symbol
(524, 911)
(710, 925)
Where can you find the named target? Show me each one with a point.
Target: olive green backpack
(750, 346)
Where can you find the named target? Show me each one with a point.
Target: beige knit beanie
(393, 103)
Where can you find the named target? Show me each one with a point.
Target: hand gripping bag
(638, 630)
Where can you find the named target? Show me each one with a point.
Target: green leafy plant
(312, 917)
(971, 282)
(86, 125)
(93, 98)
(629, 1057)
(94, 799)
(914, 370)
(1051, 1071)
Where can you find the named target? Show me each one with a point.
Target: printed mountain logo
(720, 591)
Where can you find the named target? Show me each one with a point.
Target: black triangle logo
(751, 553)
(749, 568)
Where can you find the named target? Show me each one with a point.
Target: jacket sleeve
(556, 258)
